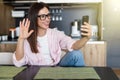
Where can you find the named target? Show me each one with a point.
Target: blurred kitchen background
(103, 17)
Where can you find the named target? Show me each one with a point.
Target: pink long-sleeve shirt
(57, 40)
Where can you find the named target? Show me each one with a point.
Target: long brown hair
(32, 16)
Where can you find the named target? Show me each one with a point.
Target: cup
(4, 37)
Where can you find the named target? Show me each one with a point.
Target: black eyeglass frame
(44, 16)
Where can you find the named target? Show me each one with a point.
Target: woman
(40, 45)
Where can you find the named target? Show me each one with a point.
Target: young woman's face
(44, 18)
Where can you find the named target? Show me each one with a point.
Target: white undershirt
(45, 49)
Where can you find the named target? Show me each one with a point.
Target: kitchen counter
(94, 51)
(95, 42)
(9, 41)
(15, 41)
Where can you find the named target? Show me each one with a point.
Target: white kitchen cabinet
(70, 1)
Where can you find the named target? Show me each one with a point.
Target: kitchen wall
(111, 23)
(6, 21)
(71, 14)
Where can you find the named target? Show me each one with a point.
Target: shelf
(71, 1)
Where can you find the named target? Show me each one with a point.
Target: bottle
(12, 33)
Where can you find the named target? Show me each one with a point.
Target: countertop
(15, 41)
(9, 41)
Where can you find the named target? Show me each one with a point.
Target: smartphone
(85, 19)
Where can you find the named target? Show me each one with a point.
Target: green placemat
(67, 73)
(8, 72)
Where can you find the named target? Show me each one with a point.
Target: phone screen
(85, 19)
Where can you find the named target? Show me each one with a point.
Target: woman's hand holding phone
(86, 28)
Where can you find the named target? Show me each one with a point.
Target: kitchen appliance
(74, 30)
(12, 33)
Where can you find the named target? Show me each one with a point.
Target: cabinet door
(95, 54)
(7, 47)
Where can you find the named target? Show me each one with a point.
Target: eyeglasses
(43, 16)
